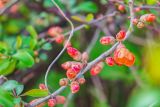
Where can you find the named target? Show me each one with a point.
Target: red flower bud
(54, 31)
(120, 35)
(69, 43)
(81, 80)
(121, 8)
(150, 18)
(60, 99)
(107, 40)
(59, 39)
(137, 9)
(76, 67)
(63, 82)
(109, 61)
(42, 87)
(85, 57)
(51, 102)
(74, 87)
(96, 69)
(66, 65)
(74, 53)
(135, 21)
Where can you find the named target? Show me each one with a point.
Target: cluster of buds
(56, 33)
(110, 40)
(96, 69)
(146, 18)
(57, 100)
(123, 56)
(73, 68)
(77, 55)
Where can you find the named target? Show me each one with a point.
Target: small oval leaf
(36, 93)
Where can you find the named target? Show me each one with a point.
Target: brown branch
(43, 34)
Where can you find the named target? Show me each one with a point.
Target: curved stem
(62, 51)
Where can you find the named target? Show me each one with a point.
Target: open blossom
(71, 74)
(123, 56)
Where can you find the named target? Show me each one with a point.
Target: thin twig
(64, 48)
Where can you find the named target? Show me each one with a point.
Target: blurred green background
(23, 29)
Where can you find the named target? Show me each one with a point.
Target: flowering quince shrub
(123, 51)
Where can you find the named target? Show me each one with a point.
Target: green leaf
(32, 31)
(86, 7)
(18, 42)
(78, 19)
(3, 46)
(36, 93)
(6, 99)
(47, 46)
(19, 89)
(12, 84)
(7, 66)
(24, 57)
(9, 85)
(150, 96)
(32, 43)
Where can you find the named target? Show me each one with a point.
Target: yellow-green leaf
(89, 17)
(36, 93)
(151, 2)
(18, 42)
(77, 18)
(7, 66)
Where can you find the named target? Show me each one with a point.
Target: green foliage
(7, 66)
(24, 57)
(86, 7)
(11, 85)
(6, 99)
(145, 98)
